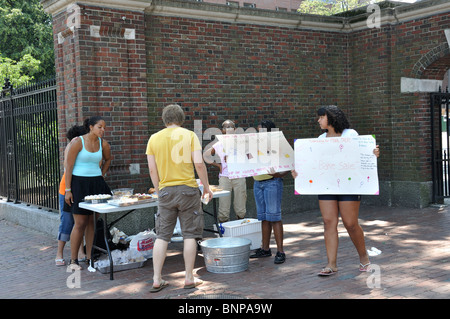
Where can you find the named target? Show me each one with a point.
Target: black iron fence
(440, 104)
(29, 150)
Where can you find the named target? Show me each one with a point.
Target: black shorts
(82, 187)
(341, 198)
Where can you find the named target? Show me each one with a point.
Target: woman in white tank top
(335, 124)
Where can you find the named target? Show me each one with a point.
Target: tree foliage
(26, 40)
(331, 7)
(19, 72)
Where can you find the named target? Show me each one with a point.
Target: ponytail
(91, 121)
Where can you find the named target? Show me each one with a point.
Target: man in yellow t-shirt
(172, 149)
(172, 154)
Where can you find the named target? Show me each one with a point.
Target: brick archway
(429, 71)
(434, 64)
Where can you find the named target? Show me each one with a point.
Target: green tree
(26, 36)
(320, 7)
(21, 72)
(330, 7)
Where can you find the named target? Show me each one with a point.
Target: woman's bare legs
(330, 215)
(349, 211)
(349, 214)
(89, 236)
(77, 234)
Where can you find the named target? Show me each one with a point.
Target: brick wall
(102, 71)
(219, 70)
(248, 72)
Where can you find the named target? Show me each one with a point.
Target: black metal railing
(29, 149)
(440, 103)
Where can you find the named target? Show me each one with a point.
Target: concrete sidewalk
(414, 263)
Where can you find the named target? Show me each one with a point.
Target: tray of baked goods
(97, 199)
(135, 199)
(215, 188)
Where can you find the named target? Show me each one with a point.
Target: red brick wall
(106, 76)
(219, 70)
(246, 73)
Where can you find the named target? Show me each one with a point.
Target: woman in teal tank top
(87, 162)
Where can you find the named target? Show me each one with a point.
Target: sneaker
(259, 253)
(280, 258)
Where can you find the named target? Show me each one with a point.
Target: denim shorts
(268, 195)
(66, 221)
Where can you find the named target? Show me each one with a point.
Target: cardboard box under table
(245, 228)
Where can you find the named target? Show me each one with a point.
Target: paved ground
(414, 263)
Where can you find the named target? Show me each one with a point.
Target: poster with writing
(336, 165)
(256, 153)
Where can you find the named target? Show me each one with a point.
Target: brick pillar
(101, 70)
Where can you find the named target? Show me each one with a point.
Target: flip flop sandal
(60, 262)
(365, 268)
(195, 284)
(327, 272)
(162, 285)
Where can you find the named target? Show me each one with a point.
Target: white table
(105, 208)
(214, 213)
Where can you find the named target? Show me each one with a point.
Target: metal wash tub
(226, 255)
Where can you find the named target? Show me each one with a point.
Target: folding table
(105, 209)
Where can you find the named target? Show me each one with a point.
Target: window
(233, 4)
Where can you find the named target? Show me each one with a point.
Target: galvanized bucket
(226, 255)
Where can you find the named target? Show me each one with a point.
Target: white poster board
(336, 165)
(256, 153)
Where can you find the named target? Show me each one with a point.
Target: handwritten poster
(336, 165)
(256, 153)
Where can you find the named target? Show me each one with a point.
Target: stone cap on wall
(57, 6)
(387, 12)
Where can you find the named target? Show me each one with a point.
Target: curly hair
(336, 118)
(91, 121)
(268, 125)
(76, 130)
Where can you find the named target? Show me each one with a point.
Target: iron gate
(440, 126)
(29, 160)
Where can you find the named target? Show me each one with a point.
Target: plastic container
(249, 228)
(97, 200)
(226, 255)
(117, 193)
(122, 267)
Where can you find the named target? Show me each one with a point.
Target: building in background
(278, 5)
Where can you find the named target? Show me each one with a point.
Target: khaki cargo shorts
(181, 202)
